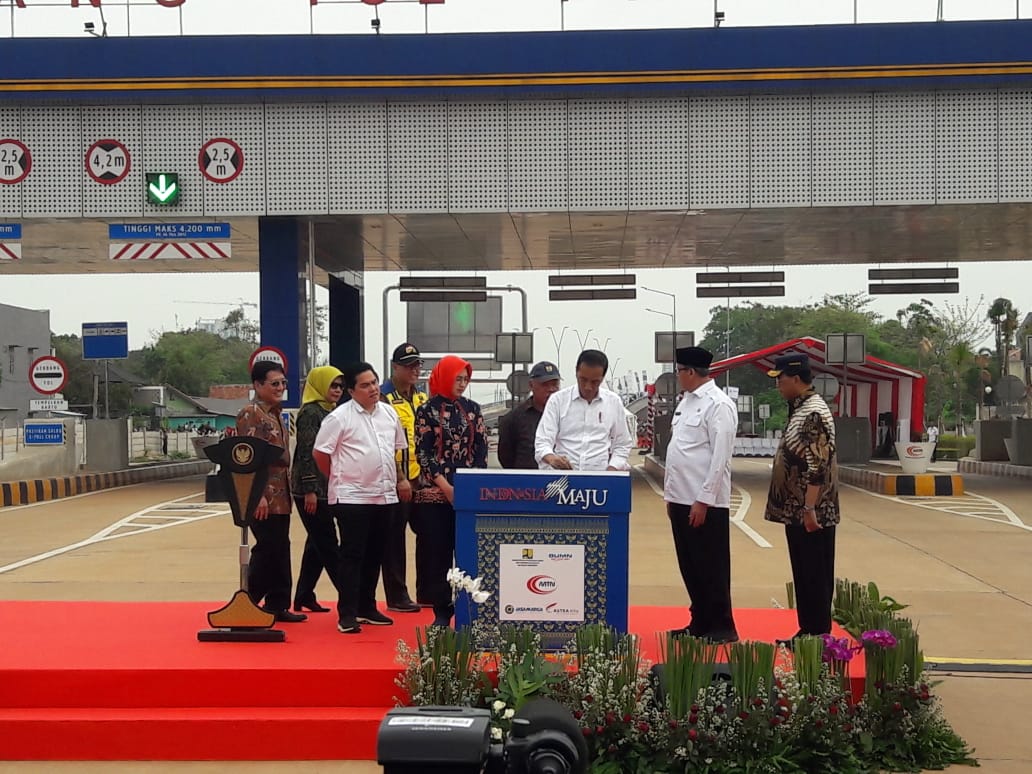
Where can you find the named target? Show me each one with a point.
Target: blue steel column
(282, 321)
(346, 328)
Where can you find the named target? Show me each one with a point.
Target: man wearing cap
(804, 493)
(697, 490)
(584, 426)
(401, 394)
(516, 430)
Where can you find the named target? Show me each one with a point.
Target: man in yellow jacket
(401, 394)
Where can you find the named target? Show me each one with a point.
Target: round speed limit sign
(48, 375)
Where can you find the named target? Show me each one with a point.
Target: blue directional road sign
(105, 341)
(10, 230)
(44, 434)
(141, 232)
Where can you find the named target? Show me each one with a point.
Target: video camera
(545, 739)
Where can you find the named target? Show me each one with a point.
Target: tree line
(940, 339)
(190, 360)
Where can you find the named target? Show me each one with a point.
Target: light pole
(673, 299)
(582, 341)
(556, 340)
(603, 346)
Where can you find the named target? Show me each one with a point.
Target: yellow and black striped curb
(919, 485)
(1001, 469)
(42, 489)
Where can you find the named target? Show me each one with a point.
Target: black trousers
(813, 574)
(268, 574)
(434, 525)
(395, 587)
(704, 558)
(322, 551)
(362, 532)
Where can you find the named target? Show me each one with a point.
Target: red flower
(643, 727)
(673, 724)
(720, 709)
(610, 718)
(782, 702)
(600, 730)
(586, 731)
(695, 708)
(775, 721)
(818, 723)
(627, 717)
(588, 698)
(693, 719)
(757, 702)
(743, 715)
(833, 709)
(578, 714)
(693, 734)
(897, 707)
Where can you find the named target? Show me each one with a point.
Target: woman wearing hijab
(323, 390)
(450, 435)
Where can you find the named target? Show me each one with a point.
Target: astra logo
(554, 608)
(560, 557)
(541, 584)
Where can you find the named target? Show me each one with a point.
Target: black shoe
(722, 638)
(686, 631)
(311, 604)
(441, 622)
(349, 626)
(424, 603)
(407, 606)
(790, 642)
(285, 616)
(375, 618)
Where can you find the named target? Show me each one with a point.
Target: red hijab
(442, 378)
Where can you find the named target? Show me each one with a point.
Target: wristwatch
(810, 508)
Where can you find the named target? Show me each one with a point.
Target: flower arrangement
(762, 711)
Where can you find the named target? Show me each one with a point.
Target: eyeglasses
(412, 366)
(337, 386)
(682, 369)
(278, 383)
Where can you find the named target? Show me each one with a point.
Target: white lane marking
(741, 501)
(59, 500)
(957, 506)
(132, 524)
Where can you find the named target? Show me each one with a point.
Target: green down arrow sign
(162, 187)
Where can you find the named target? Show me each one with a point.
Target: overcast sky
(146, 301)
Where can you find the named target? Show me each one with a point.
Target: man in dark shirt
(517, 428)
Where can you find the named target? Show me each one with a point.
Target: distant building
(24, 336)
(176, 410)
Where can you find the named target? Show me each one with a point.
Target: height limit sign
(221, 160)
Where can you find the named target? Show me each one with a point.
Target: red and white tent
(872, 388)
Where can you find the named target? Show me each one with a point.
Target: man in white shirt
(933, 437)
(355, 449)
(697, 490)
(583, 427)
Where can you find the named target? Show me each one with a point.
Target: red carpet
(130, 681)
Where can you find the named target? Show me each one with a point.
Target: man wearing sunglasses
(401, 394)
(268, 575)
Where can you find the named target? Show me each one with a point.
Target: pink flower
(879, 637)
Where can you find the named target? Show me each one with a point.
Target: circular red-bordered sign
(273, 354)
(15, 161)
(48, 375)
(108, 162)
(221, 160)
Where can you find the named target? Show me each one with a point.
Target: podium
(551, 546)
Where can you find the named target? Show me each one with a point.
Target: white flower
(455, 576)
(472, 585)
(496, 734)
(507, 715)
(480, 597)
(498, 705)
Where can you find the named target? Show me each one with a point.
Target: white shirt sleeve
(547, 431)
(328, 437)
(400, 437)
(619, 438)
(721, 426)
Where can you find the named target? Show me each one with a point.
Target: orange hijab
(442, 378)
